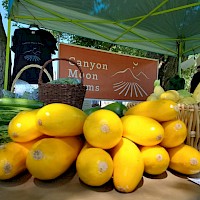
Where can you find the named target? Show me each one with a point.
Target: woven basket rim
(58, 59)
(72, 94)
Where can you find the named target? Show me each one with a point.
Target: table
(167, 186)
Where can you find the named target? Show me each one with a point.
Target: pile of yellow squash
(149, 138)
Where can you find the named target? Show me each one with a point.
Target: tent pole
(7, 55)
(180, 53)
(179, 66)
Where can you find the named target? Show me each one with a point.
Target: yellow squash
(184, 159)
(142, 130)
(160, 110)
(170, 95)
(50, 157)
(12, 160)
(94, 166)
(23, 127)
(128, 166)
(59, 119)
(175, 133)
(156, 159)
(103, 128)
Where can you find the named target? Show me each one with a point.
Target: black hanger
(34, 26)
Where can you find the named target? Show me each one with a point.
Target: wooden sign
(109, 76)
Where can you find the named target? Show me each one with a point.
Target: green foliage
(187, 101)
(156, 83)
(187, 75)
(5, 4)
(87, 42)
(4, 137)
(184, 93)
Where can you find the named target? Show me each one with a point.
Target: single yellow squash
(175, 133)
(103, 129)
(94, 166)
(156, 159)
(50, 157)
(160, 110)
(23, 127)
(170, 95)
(60, 120)
(184, 159)
(128, 166)
(142, 130)
(12, 160)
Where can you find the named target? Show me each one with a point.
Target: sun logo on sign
(129, 88)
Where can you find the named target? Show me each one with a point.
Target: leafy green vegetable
(184, 93)
(91, 110)
(4, 137)
(156, 83)
(116, 107)
(187, 101)
(71, 81)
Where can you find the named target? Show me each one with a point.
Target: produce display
(179, 96)
(112, 143)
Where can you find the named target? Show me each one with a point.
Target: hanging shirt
(32, 47)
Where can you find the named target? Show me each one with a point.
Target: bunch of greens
(32, 95)
(4, 137)
(70, 81)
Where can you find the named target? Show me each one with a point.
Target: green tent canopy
(170, 27)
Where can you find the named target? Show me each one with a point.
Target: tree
(2, 54)
(168, 69)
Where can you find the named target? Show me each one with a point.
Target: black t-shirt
(32, 47)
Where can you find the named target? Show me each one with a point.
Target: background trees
(2, 54)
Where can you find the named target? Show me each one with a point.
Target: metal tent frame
(170, 27)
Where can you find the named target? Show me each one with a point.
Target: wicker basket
(25, 68)
(190, 115)
(62, 93)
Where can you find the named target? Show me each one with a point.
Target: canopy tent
(170, 27)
